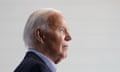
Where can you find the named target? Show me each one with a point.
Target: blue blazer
(32, 63)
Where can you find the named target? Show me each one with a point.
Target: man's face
(57, 37)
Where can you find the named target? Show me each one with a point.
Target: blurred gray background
(94, 26)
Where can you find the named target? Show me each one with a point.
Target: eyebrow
(65, 28)
(62, 27)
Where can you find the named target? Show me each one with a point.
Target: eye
(61, 28)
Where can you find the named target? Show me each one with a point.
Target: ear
(39, 36)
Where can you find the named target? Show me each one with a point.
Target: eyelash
(62, 29)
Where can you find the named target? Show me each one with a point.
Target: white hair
(37, 19)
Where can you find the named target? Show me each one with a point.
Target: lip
(65, 45)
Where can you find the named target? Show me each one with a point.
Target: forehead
(56, 20)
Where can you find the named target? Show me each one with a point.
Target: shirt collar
(48, 61)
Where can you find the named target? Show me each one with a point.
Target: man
(46, 36)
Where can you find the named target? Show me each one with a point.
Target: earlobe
(39, 36)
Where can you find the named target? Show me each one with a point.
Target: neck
(48, 53)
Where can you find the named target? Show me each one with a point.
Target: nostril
(68, 38)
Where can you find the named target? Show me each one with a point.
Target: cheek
(61, 37)
(57, 44)
(55, 40)
(58, 39)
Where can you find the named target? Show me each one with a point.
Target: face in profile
(58, 36)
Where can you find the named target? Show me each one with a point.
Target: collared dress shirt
(48, 61)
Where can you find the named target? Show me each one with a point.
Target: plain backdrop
(94, 26)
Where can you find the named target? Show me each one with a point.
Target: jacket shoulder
(30, 64)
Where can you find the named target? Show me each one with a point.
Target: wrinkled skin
(56, 38)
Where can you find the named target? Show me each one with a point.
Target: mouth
(65, 46)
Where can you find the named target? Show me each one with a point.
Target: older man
(46, 36)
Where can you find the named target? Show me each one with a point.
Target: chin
(60, 58)
(58, 61)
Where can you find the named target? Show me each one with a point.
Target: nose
(68, 37)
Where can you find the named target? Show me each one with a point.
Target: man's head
(46, 31)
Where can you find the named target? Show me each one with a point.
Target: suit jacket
(32, 63)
